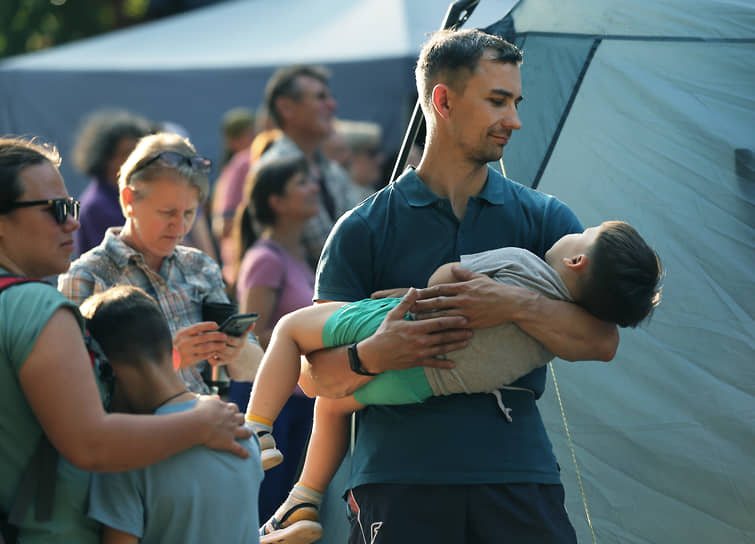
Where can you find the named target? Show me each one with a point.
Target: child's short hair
(622, 285)
(128, 324)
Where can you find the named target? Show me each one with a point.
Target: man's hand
(399, 344)
(483, 301)
(390, 293)
(566, 329)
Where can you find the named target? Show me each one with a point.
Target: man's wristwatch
(356, 363)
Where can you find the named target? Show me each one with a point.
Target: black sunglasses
(60, 208)
(174, 159)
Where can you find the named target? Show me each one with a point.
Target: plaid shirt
(339, 186)
(187, 277)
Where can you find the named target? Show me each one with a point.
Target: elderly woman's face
(161, 214)
(30, 238)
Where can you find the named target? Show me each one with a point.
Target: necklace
(170, 398)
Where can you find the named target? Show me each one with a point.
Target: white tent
(645, 111)
(191, 68)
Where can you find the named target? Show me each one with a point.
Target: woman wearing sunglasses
(161, 184)
(47, 386)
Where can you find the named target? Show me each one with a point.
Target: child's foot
(270, 455)
(298, 525)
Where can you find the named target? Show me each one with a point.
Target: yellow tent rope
(573, 455)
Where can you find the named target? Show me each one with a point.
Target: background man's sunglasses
(175, 159)
(60, 208)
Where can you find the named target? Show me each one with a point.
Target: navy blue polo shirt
(397, 238)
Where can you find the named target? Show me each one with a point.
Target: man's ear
(440, 96)
(284, 105)
(577, 263)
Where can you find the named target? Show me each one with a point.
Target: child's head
(128, 325)
(611, 272)
(132, 332)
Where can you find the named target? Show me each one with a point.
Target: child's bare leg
(297, 333)
(297, 519)
(328, 441)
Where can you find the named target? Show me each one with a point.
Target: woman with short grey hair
(161, 185)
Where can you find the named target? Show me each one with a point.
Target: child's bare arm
(304, 326)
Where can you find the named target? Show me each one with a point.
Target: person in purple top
(274, 278)
(105, 140)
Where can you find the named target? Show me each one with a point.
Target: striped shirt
(187, 277)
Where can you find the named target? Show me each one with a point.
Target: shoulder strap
(39, 478)
(7, 280)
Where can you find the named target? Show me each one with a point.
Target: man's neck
(451, 178)
(306, 144)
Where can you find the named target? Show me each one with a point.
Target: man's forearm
(326, 373)
(567, 330)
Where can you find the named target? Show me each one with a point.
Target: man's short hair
(452, 57)
(129, 326)
(622, 285)
(284, 83)
(237, 120)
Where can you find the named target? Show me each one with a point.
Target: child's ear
(577, 263)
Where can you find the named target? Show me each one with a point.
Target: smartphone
(238, 324)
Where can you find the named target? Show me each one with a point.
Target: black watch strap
(356, 363)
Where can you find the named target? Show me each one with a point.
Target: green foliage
(30, 25)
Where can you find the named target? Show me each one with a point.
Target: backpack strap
(40, 477)
(6, 280)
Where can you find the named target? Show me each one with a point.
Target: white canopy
(246, 33)
(191, 68)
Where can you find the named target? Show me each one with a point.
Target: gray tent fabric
(644, 111)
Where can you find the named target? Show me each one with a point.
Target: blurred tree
(31, 25)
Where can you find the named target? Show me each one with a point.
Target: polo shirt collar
(418, 195)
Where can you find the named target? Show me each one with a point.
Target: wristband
(356, 363)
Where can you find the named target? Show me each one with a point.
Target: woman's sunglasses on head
(60, 208)
(174, 159)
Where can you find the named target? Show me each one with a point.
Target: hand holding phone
(238, 324)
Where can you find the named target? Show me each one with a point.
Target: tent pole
(457, 14)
